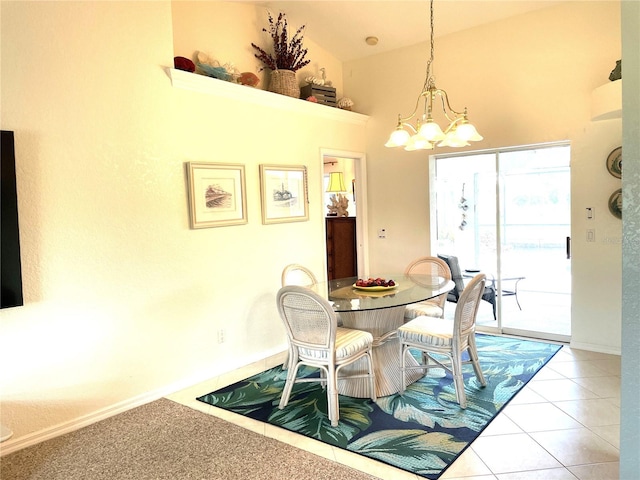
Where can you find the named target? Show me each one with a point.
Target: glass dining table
(380, 311)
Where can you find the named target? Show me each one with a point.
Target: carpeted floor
(166, 440)
(422, 431)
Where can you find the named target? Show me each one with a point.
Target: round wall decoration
(614, 162)
(615, 203)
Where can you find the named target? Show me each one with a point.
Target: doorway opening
(353, 166)
(506, 213)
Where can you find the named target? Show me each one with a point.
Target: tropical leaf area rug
(422, 431)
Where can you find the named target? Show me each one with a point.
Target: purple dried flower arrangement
(286, 55)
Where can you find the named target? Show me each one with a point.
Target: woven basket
(284, 82)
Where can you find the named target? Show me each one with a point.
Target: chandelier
(426, 134)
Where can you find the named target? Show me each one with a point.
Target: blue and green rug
(422, 431)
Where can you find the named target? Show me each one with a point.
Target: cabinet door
(341, 247)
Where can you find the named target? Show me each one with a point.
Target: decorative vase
(284, 82)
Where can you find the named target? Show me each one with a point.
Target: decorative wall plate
(614, 162)
(615, 203)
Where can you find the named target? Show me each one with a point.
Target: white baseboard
(18, 443)
(595, 348)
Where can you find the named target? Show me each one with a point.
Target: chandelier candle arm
(426, 134)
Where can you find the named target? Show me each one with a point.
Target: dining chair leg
(372, 378)
(473, 355)
(403, 368)
(288, 386)
(289, 360)
(458, 379)
(333, 408)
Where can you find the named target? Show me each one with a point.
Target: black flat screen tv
(11, 295)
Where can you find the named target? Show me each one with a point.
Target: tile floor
(564, 425)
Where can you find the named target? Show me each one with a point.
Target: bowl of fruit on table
(375, 284)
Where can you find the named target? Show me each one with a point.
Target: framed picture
(284, 193)
(217, 194)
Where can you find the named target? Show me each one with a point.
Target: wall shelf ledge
(221, 88)
(606, 101)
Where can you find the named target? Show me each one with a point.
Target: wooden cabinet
(342, 259)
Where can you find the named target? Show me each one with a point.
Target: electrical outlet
(221, 335)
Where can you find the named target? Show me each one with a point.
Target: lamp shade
(398, 138)
(452, 140)
(465, 131)
(336, 182)
(418, 142)
(431, 131)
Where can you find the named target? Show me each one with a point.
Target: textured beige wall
(122, 300)
(525, 80)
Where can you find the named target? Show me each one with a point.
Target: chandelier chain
(429, 79)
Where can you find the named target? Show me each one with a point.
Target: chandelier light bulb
(467, 132)
(418, 142)
(398, 138)
(451, 139)
(431, 131)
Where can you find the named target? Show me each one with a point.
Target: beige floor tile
(547, 373)
(193, 403)
(576, 447)
(466, 465)
(604, 387)
(592, 412)
(513, 453)
(240, 420)
(197, 390)
(526, 395)
(186, 397)
(587, 354)
(612, 366)
(540, 417)
(614, 401)
(610, 433)
(300, 441)
(578, 369)
(372, 467)
(564, 353)
(501, 425)
(557, 390)
(546, 474)
(472, 477)
(601, 471)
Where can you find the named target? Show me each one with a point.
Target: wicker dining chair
(296, 274)
(317, 341)
(433, 307)
(435, 336)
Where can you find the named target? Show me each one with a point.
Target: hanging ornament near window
(464, 206)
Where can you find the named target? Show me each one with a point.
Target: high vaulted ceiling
(341, 27)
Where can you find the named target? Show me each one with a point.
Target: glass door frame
(499, 328)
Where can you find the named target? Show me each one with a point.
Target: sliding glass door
(506, 213)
